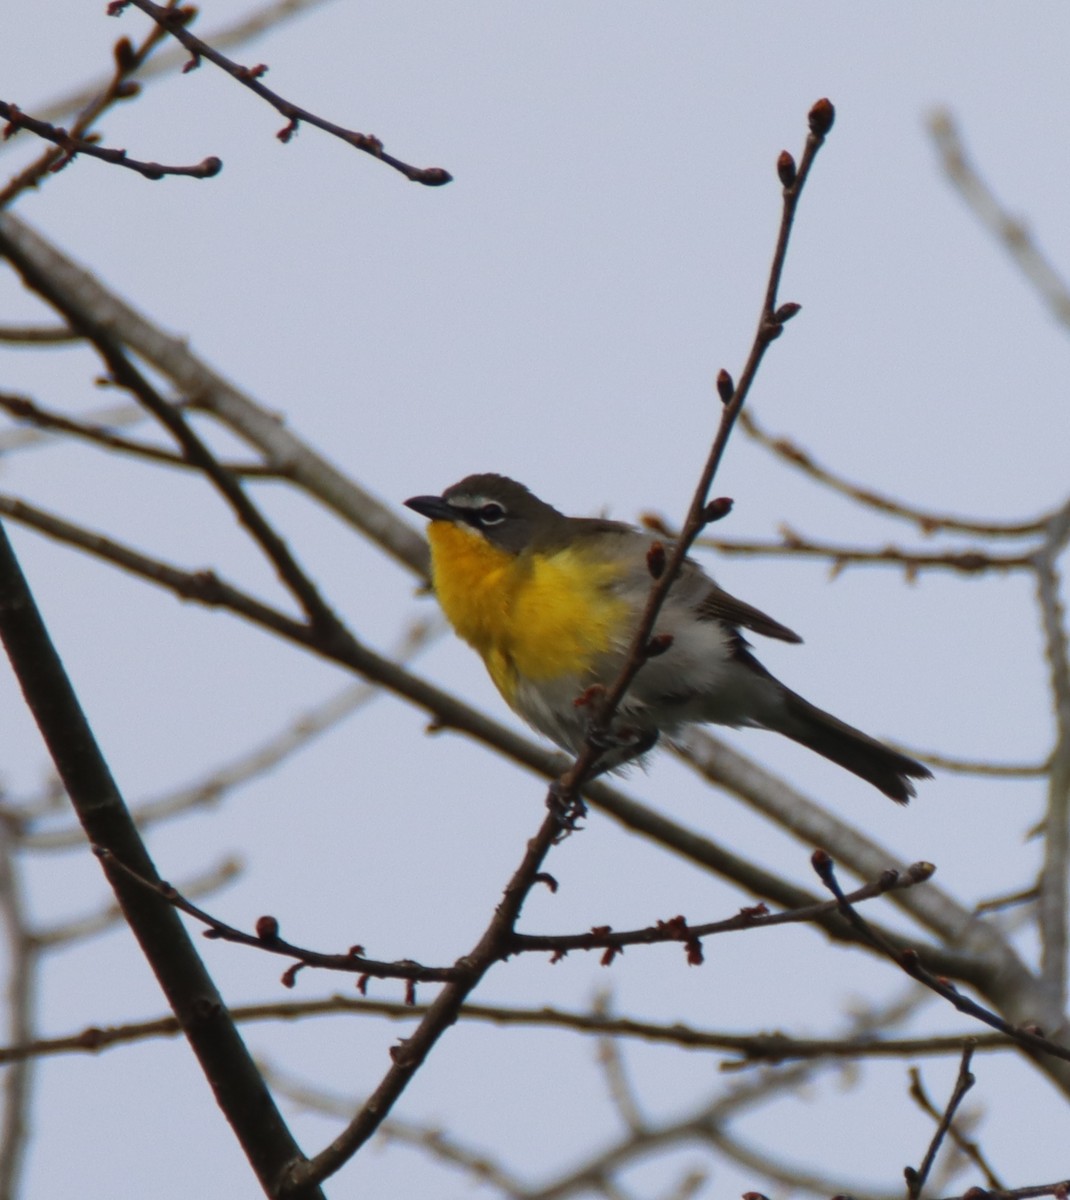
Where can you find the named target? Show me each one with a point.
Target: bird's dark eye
(491, 514)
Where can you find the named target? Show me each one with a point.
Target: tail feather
(878, 764)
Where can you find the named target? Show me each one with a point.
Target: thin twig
(22, 408)
(128, 59)
(174, 23)
(965, 1080)
(410, 1054)
(751, 1049)
(80, 929)
(1010, 231)
(266, 937)
(733, 395)
(678, 930)
(1029, 1038)
(929, 522)
(72, 146)
(913, 562)
(168, 60)
(968, 1147)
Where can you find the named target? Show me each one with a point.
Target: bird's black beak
(432, 507)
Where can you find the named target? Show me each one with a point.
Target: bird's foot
(567, 808)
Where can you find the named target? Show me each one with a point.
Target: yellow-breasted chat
(551, 603)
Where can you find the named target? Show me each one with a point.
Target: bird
(551, 603)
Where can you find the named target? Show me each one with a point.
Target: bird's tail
(850, 748)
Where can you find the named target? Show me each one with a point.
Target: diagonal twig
(915, 1179)
(70, 144)
(174, 21)
(968, 1147)
(701, 513)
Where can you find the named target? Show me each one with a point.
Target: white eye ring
(491, 513)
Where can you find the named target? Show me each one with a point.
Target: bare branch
(1054, 882)
(207, 883)
(72, 145)
(168, 60)
(1028, 1037)
(751, 1049)
(965, 1080)
(127, 60)
(969, 1148)
(174, 22)
(1012, 232)
(22, 973)
(928, 522)
(22, 408)
(702, 512)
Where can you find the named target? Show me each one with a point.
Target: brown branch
(128, 60)
(23, 962)
(174, 21)
(964, 1081)
(929, 522)
(1059, 1189)
(678, 930)
(22, 408)
(71, 146)
(1011, 231)
(246, 27)
(913, 562)
(267, 937)
(39, 334)
(752, 1049)
(410, 1054)
(968, 1147)
(1054, 881)
(1029, 1038)
(89, 925)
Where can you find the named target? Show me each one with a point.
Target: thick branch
(213, 1037)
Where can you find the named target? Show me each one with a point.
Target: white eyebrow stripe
(471, 501)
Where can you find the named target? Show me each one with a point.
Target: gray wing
(718, 605)
(694, 588)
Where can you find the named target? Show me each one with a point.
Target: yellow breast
(532, 616)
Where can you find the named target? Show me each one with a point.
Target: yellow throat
(533, 616)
